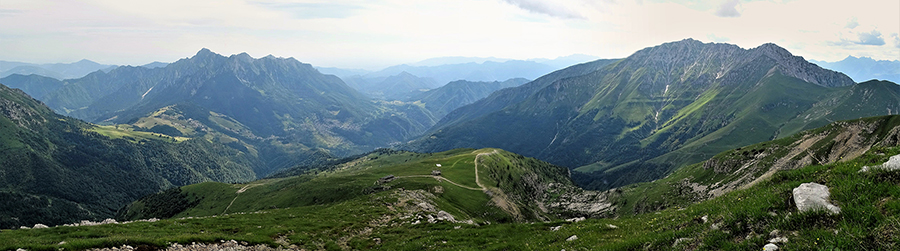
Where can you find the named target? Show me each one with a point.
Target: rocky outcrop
(892, 164)
(836, 142)
(573, 201)
(797, 67)
(19, 112)
(814, 196)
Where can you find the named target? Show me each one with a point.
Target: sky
(373, 34)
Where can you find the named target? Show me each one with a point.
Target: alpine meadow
(464, 125)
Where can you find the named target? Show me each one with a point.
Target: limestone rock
(770, 247)
(679, 241)
(812, 196)
(892, 164)
(578, 219)
(572, 238)
(445, 216)
(781, 239)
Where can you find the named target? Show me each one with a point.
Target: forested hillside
(56, 169)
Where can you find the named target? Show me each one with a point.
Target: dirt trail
(239, 191)
(478, 181)
(498, 197)
(443, 179)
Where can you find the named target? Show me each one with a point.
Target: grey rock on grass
(813, 196)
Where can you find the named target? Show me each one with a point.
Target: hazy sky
(376, 33)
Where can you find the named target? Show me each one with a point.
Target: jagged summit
(660, 108)
(243, 56)
(720, 58)
(205, 53)
(796, 66)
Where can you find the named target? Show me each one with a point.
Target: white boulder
(892, 164)
(813, 196)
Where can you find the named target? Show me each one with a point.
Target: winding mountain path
(477, 181)
(239, 191)
(443, 179)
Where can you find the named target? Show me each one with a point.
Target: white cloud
(378, 33)
(715, 38)
(870, 38)
(896, 40)
(852, 23)
(551, 8)
(729, 9)
(312, 10)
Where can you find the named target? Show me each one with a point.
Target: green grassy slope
(56, 170)
(739, 220)
(507, 189)
(662, 108)
(738, 168)
(284, 110)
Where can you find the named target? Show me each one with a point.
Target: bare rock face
(813, 196)
(798, 67)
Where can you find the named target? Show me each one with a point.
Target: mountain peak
(686, 42)
(85, 61)
(796, 66)
(243, 56)
(203, 53)
(206, 56)
(772, 49)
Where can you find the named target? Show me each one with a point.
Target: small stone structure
(436, 172)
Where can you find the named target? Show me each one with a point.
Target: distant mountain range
(487, 71)
(397, 87)
(865, 69)
(402, 81)
(435, 64)
(61, 71)
(701, 119)
(280, 110)
(57, 71)
(456, 94)
(641, 117)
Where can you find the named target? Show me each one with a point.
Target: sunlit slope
(504, 187)
(744, 219)
(662, 108)
(56, 169)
